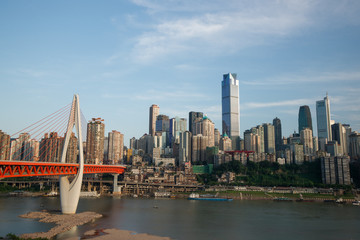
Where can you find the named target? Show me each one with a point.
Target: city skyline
(121, 57)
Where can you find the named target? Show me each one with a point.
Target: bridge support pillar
(70, 191)
(116, 188)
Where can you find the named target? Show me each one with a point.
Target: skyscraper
(354, 141)
(192, 118)
(307, 141)
(198, 152)
(269, 138)
(339, 134)
(225, 143)
(278, 134)
(4, 146)
(51, 147)
(153, 113)
(95, 141)
(177, 125)
(305, 120)
(335, 170)
(115, 147)
(323, 118)
(185, 147)
(162, 123)
(230, 106)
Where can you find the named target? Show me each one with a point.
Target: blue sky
(123, 56)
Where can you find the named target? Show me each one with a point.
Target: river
(185, 219)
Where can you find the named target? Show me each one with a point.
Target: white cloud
(307, 78)
(215, 27)
(218, 27)
(233, 28)
(294, 102)
(166, 94)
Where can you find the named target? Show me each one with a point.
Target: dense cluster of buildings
(98, 149)
(180, 142)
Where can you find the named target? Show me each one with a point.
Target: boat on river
(282, 199)
(89, 194)
(207, 197)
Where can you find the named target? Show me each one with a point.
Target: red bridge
(10, 169)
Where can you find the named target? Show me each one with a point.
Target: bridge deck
(10, 169)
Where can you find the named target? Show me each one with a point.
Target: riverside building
(95, 141)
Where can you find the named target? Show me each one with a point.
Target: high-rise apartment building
(348, 132)
(95, 141)
(153, 113)
(217, 137)
(305, 120)
(51, 146)
(162, 123)
(115, 147)
(185, 147)
(269, 138)
(259, 131)
(323, 119)
(17, 147)
(177, 125)
(193, 116)
(225, 143)
(199, 144)
(133, 143)
(4, 146)
(31, 150)
(24, 148)
(315, 144)
(278, 134)
(73, 149)
(339, 134)
(307, 141)
(335, 170)
(252, 141)
(230, 106)
(297, 152)
(206, 127)
(354, 145)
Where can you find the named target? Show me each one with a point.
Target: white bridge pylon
(70, 192)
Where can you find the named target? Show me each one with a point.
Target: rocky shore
(66, 222)
(109, 234)
(63, 222)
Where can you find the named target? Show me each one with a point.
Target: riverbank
(261, 195)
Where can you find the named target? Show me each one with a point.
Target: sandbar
(64, 222)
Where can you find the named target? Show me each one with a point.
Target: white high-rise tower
(230, 106)
(323, 118)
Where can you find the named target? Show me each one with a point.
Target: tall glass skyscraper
(230, 106)
(278, 133)
(323, 118)
(305, 118)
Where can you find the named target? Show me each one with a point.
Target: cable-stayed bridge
(28, 156)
